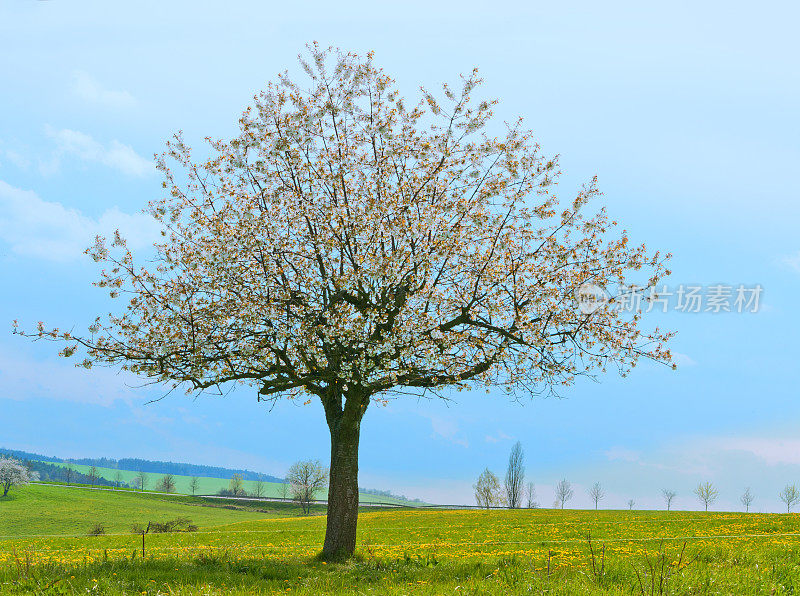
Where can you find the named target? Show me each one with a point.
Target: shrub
(179, 524)
(227, 492)
(97, 529)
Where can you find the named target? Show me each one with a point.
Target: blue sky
(687, 112)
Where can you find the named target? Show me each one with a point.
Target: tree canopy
(345, 238)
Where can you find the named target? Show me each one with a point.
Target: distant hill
(52, 469)
(150, 466)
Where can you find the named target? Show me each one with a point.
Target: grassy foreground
(242, 551)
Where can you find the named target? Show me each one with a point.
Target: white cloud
(622, 454)
(48, 230)
(447, 428)
(115, 155)
(771, 450)
(501, 436)
(22, 379)
(90, 90)
(17, 159)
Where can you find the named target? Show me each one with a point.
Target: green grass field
(52, 510)
(243, 550)
(210, 486)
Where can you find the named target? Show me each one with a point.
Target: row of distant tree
(157, 475)
(513, 492)
(304, 481)
(707, 494)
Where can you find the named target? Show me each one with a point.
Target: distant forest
(146, 465)
(50, 472)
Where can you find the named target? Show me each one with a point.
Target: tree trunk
(345, 426)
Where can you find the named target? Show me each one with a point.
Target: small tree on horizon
(564, 492)
(790, 496)
(631, 503)
(118, 479)
(747, 499)
(669, 496)
(194, 484)
(141, 480)
(69, 471)
(93, 474)
(236, 486)
(166, 484)
(306, 478)
(347, 245)
(258, 488)
(707, 493)
(531, 496)
(596, 493)
(488, 491)
(515, 477)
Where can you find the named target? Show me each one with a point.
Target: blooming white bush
(14, 473)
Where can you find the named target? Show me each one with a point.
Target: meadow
(246, 548)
